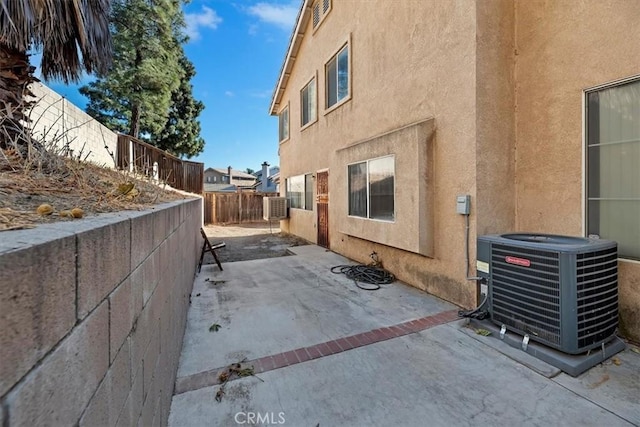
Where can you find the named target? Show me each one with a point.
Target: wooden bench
(210, 247)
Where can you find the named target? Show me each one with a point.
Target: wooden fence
(138, 156)
(233, 208)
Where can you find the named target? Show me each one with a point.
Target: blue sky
(237, 48)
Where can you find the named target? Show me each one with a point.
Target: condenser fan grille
(527, 297)
(561, 291)
(597, 295)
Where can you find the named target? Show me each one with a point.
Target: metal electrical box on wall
(463, 204)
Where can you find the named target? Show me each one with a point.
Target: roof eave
(294, 46)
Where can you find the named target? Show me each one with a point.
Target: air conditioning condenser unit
(274, 208)
(560, 291)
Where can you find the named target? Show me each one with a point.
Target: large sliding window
(371, 189)
(337, 77)
(300, 192)
(613, 166)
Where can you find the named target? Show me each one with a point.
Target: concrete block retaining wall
(92, 316)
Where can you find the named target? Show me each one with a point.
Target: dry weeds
(28, 180)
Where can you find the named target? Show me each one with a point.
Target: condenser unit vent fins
(274, 208)
(561, 291)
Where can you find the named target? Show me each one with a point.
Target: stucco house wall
(564, 48)
(495, 119)
(421, 69)
(501, 81)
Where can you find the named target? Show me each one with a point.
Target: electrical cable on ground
(476, 313)
(366, 277)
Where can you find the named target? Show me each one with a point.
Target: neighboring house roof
(238, 178)
(234, 173)
(273, 170)
(220, 188)
(272, 184)
(292, 52)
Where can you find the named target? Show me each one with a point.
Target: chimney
(265, 177)
(229, 173)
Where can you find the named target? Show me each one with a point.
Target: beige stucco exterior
(411, 148)
(564, 48)
(482, 98)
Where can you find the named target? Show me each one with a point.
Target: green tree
(250, 171)
(181, 132)
(73, 36)
(135, 96)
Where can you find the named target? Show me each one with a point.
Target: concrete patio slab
(327, 353)
(265, 306)
(436, 377)
(614, 384)
(250, 241)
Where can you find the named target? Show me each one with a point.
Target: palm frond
(73, 34)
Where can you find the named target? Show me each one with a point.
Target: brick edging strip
(293, 357)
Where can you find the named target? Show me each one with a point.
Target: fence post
(215, 209)
(131, 155)
(239, 206)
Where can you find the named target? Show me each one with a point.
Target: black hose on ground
(476, 313)
(365, 277)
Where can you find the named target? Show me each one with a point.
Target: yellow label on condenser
(482, 266)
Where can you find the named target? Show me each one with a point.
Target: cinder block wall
(92, 316)
(57, 121)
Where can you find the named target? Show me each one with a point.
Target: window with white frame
(337, 77)
(308, 103)
(371, 188)
(613, 166)
(283, 124)
(300, 192)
